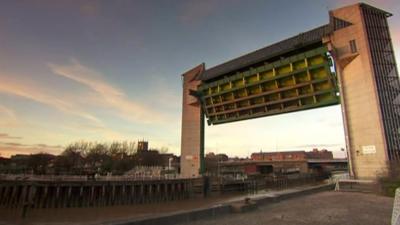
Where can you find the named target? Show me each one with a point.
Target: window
(353, 46)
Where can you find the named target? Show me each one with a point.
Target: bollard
(396, 208)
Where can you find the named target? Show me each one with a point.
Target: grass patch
(389, 183)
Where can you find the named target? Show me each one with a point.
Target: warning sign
(368, 149)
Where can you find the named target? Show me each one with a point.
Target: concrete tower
(192, 137)
(369, 84)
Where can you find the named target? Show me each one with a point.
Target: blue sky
(110, 70)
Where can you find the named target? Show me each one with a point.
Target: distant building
(146, 157)
(218, 157)
(18, 157)
(165, 159)
(152, 157)
(4, 161)
(143, 146)
(287, 162)
(279, 156)
(292, 155)
(213, 161)
(319, 154)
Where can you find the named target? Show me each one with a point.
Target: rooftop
(308, 38)
(303, 39)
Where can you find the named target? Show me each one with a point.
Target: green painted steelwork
(202, 160)
(299, 82)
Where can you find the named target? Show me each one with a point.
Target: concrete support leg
(192, 125)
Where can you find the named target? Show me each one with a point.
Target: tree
(116, 157)
(70, 160)
(39, 162)
(95, 156)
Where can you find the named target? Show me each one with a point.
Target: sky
(111, 71)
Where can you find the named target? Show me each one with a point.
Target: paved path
(331, 208)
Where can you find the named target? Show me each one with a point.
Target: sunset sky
(110, 70)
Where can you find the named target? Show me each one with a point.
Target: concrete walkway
(272, 193)
(331, 208)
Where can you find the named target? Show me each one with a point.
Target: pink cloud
(8, 117)
(38, 95)
(7, 136)
(11, 148)
(7, 111)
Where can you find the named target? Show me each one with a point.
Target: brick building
(292, 155)
(322, 154)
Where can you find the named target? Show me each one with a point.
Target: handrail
(134, 177)
(396, 208)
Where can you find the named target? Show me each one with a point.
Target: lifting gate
(299, 82)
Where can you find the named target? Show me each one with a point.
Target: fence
(255, 183)
(344, 182)
(287, 181)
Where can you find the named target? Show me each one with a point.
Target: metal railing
(285, 181)
(345, 182)
(396, 208)
(133, 177)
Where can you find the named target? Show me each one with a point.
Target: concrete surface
(224, 207)
(191, 125)
(331, 208)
